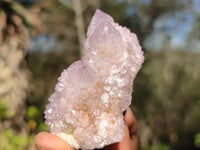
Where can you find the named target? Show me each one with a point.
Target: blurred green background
(40, 38)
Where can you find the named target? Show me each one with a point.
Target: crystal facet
(86, 108)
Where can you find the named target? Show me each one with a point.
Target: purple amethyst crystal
(86, 108)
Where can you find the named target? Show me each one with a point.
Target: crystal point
(91, 95)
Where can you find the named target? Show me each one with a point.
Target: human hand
(47, 141)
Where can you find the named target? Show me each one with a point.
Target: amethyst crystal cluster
(86, 108)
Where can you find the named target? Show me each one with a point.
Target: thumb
(47, 141)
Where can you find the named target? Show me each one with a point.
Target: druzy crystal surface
(86, 108)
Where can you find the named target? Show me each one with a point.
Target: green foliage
(4, 113)
(197, 140)
(158, 146)
(12, 141)
(42, 126)
(32, 112)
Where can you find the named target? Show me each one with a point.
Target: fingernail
(124, 113)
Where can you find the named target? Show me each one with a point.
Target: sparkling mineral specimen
(86, 108)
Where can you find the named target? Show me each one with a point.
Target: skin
(47, 141)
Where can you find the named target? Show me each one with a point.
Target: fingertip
(39, 138)
(47, 141)
(131, 121)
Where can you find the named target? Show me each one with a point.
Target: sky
(174, 30)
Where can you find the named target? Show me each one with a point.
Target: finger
(123, 145)
(131, 122)
(47, 141)
(134, 141)
(133, 127)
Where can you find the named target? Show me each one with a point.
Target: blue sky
(174, 30)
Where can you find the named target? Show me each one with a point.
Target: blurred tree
(13, 44)
(76, 6)
(14, 41)
(172, 107)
